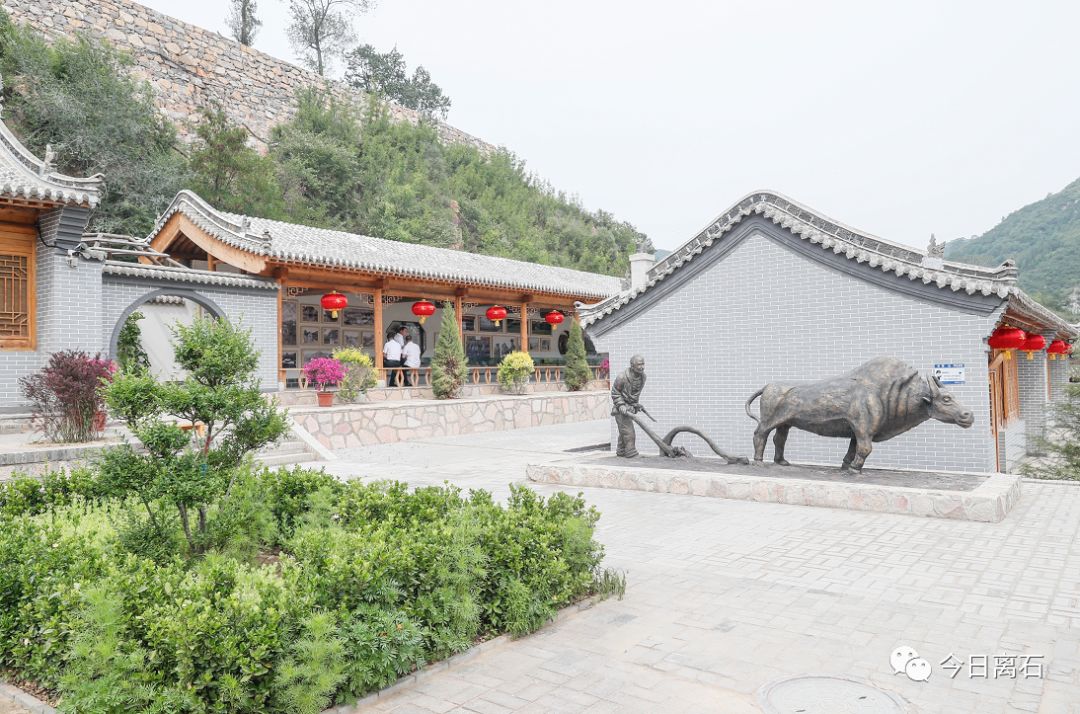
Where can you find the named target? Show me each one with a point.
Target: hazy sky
(901, 119)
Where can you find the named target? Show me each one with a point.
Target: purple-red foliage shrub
(66, 394)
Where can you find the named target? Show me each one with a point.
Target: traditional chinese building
(774, 291)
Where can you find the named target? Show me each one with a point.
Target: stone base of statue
(962, 496)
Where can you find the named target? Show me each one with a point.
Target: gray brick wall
(1032, 377)
(764, 314)
(78, 307)
(255, 309)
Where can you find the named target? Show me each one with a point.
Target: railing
(478, 375)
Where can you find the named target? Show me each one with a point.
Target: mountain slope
(1044, 240)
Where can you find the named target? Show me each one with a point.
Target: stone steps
(292, 451)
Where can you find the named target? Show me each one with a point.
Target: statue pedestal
(960, 496)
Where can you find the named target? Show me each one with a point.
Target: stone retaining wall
(347, 427)
(307, 398)
(188, 66)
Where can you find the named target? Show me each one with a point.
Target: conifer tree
(576, 374)
(448, 365)
(1062, 448)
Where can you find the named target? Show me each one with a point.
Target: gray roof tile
(24, 176)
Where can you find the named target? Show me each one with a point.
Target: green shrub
(515, 370)
(385, 644)
(359, 373)
(29, 495)
(576, 374)
(448, 364)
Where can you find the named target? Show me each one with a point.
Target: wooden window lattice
(14, 297)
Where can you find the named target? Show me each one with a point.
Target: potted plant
(324, 372)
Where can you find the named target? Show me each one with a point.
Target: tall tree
(242, 21)
(448, 365)
(385, 75)
(322, 28)
(230, 174)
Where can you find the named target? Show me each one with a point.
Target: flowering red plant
(324, 372)
(66, 394)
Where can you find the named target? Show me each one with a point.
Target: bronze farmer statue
(625, 392)
(875, 402)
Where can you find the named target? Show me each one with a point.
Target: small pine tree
(448, 364)
(1062, 460)
(577, 373)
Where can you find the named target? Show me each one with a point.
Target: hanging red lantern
(496, 314)
(554, 318)
(1057, 347)
(423, 309)
(1007, 338)
(1032, 344)
(334, 301)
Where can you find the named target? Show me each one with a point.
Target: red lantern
(1057, 347)
(496, 314)
(1007, 338)
(423, 309)
(1033, 344)
(334, 301)
(554, 318)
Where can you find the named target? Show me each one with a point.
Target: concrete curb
(13, 694)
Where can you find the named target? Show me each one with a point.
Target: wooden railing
(478, 375)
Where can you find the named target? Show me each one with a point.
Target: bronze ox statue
(875, 402)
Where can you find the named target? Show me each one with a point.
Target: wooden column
(280, 325)
(211, 262)
(380, 337)
(525, 327)
(458, 309)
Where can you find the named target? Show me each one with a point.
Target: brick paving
(727, 596)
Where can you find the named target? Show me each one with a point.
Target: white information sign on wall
(949, 373)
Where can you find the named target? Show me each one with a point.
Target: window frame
(21, 240)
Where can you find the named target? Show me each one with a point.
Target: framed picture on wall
(468, 323)
(310, 313)
(486, 325)
(477, 348)
(513, 325)
(312, 354)
(351, 338)
(539, 327)
(311, 335)
(288, 323)
(358, 316)
(331, 336)
(367, 341)
(288, 360)
(327, 316)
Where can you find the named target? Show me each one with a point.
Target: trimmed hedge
(348, 587)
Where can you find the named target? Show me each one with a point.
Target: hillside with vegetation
(1044, 240)
(333, 165)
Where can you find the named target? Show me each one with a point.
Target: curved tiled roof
(185, 275)
(834, 236)
(292, 243)
(24, 176)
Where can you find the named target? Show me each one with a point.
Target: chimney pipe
(639, 269)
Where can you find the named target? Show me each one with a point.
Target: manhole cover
(828, 695)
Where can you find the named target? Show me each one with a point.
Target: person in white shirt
(391, 353)
(410, 358)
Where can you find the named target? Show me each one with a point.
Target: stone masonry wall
(188, 66)
(352, 426)
(764, 313)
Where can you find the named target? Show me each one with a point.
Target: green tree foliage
(317, 155)
(320, 29)
(129, 350)
(448, 364)
(515, 369)
(79, 98)
(1063, 448)
(576, 373)
(385, 75)
(1044, 240)
(230, 174)
(242, 21)
(188, 470)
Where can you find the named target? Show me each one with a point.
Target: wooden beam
(180, 225)
(380, 336)
(458, 309)
(525, 327)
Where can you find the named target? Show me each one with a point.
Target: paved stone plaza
(727, 596)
